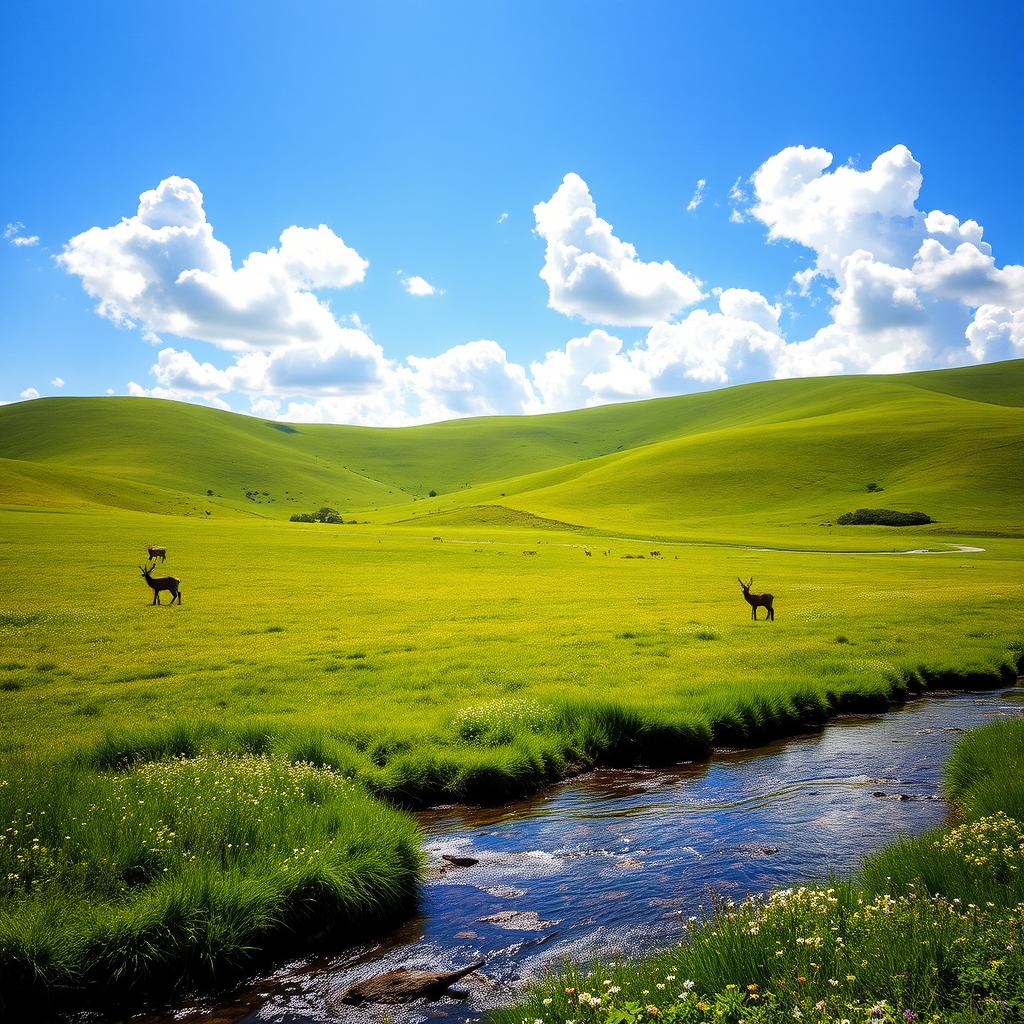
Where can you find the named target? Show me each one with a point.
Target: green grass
(945, 443)
(375, 643)
(419, 655)
(932, 929)
(179, 869)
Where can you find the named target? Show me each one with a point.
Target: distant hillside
(778, 453)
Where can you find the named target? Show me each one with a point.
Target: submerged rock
(519, 920)
(404, 985)
(462, 862)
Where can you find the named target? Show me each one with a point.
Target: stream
(614, 862)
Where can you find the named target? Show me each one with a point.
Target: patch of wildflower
(497, 722)
(822, 956)
(995, 844)
(119, 832)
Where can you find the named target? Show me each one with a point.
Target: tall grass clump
(931, 930)
(985, 772)
(113, 883)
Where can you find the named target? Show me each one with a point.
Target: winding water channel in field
(614, 861)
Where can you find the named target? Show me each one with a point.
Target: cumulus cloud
(698, 196)
(996, 332)
(592, 274)
(57, 382)
(912, 289)
(839, 212)
(29, 393)
(565, 378)
(416, 285)
(164, 270)
(909, 289)
(704, 349)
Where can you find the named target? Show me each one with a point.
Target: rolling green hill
(739, 461)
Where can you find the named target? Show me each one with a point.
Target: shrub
(324, 515)
(883, 517)
(433, 493)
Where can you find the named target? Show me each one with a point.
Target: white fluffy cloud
(57, 382)
(839, 212)
(416, 285)
(592, 274)
(703, 350)
(164, 270)
(29, 393)
(909, 289)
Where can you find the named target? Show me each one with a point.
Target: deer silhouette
(161, 583)
(155, 553)
(757, 600)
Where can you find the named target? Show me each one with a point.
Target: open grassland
(465, 646)
(463, 667)
(931, 930)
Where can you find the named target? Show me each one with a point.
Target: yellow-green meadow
(569, 597)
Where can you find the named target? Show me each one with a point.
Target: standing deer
(156, 553)
(160, 583)
(757, 601)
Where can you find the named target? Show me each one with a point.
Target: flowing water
(614, 862)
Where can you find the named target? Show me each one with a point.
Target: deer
(156, 553)
(757, 601)
(161, 583)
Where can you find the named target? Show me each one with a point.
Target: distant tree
(433, 494)
(873, 487)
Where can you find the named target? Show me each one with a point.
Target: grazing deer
(159, 583)
(156, 553)
(757, 600)
(587, 552)
(655, 554)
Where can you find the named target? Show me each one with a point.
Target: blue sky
(408, 129)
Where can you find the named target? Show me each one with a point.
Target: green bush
(324, 515)
(883, 517)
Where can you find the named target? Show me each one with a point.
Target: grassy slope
(737, 462)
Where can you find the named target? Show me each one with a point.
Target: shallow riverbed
(613, 862)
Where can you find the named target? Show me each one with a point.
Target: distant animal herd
(158, 584)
